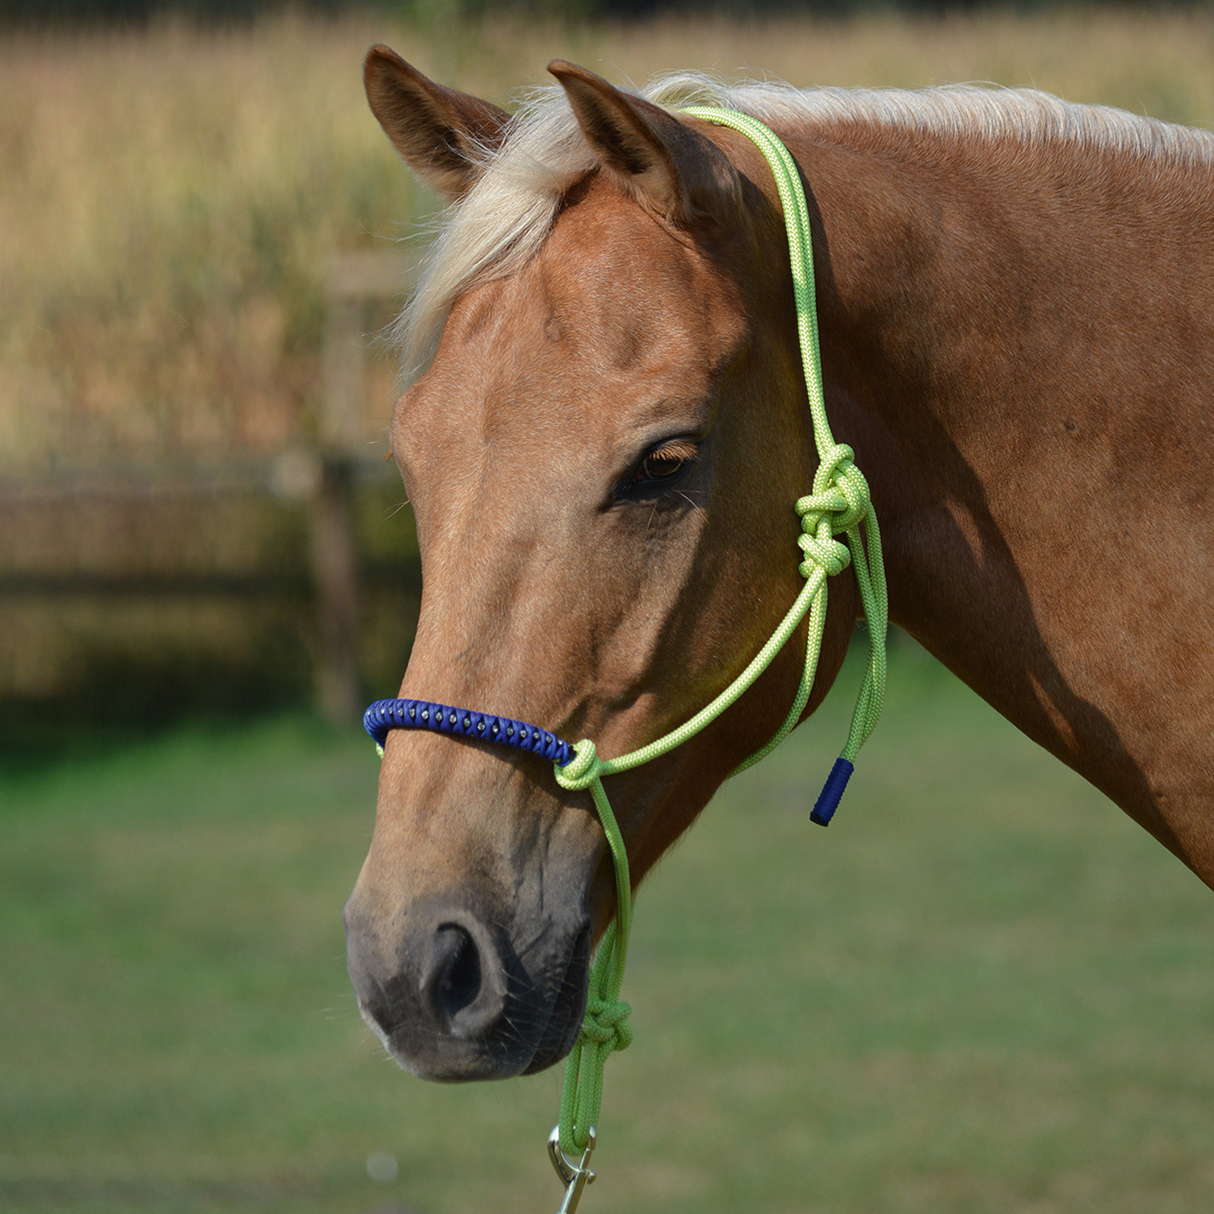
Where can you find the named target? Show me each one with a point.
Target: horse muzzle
(452, 998)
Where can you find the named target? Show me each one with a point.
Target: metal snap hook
(574, 1176)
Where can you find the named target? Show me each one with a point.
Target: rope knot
(840, 493)
(582, 770)
(840, 501)
(822, 552)
(606, 1023)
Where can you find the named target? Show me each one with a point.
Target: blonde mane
(500, 224)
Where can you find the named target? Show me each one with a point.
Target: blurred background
(984, 990)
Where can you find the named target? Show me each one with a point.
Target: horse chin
(565, 1016)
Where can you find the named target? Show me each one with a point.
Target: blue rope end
(832, 792)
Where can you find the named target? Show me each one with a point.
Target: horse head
(602, 457)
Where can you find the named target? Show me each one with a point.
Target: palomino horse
(1016, 298)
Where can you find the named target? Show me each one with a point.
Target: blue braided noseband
(385, 715)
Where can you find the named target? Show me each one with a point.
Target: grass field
(982, 989)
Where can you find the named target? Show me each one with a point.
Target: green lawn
(983, 989)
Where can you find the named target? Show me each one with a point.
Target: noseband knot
(606, 1023)
(839, 502)
(582, 770)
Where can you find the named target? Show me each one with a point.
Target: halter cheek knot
(606, 1023)
(839, 502)
(822, 551)
(838, 471)
(582, 770)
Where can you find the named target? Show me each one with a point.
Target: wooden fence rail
(322, 471)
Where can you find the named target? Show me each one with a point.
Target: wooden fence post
(354, 280)
(334, 560)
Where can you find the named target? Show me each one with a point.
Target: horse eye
(665, 461)
(661, 464)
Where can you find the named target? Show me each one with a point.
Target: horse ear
(436, 129)
(664, 163)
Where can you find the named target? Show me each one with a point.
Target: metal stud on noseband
(838, 504)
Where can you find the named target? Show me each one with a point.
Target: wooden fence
(322, 471)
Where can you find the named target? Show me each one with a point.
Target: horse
(1016, 299)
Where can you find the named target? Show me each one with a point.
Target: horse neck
(990, 358)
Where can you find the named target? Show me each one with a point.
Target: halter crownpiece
(839, 504)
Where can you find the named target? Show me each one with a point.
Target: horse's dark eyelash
(637, 487)
(679, 448)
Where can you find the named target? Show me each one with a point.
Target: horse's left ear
(665, 164)
(438, 131)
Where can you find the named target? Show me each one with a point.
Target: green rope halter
(838, 504)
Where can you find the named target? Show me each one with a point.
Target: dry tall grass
(172, 198)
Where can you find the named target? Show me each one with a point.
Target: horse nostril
(465, 986)
(456, 972)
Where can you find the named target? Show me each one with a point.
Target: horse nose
(461, 984)
(443, 977)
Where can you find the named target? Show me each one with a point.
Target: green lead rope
(839, 504)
